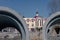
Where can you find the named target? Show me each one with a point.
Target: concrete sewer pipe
(10, 18)
(51, 28)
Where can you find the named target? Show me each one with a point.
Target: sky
(27, 8)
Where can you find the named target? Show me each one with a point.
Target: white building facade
(34, 22)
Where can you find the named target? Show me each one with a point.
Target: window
(32, 24)
(32, 20)
(32, 29)
(28, 24)
(27, 20)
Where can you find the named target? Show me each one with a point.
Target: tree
(54, 6)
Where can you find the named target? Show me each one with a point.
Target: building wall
(34, 22)
(30, 22)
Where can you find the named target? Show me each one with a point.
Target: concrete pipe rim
(6, 9)
(47, 21)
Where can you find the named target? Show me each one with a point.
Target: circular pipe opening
(9, 21)
(51, 28)
(11, 18)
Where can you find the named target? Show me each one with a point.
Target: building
(36, 21)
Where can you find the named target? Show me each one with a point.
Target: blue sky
(27, 8)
